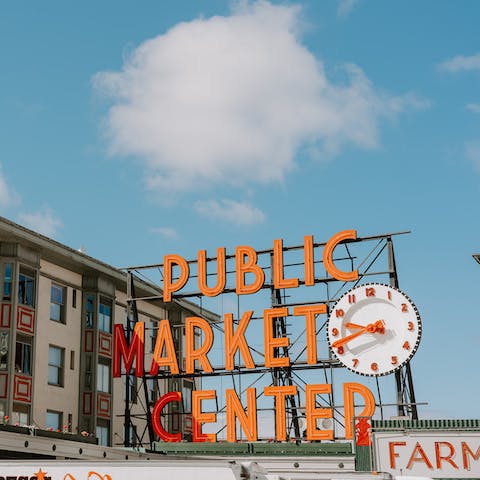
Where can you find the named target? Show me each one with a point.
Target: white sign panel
(433, 454)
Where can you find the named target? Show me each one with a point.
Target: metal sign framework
(374, 258)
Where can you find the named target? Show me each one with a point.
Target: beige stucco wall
(67, 336)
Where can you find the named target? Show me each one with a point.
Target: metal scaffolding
(374, 258)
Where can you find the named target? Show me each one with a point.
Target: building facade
(57, 311)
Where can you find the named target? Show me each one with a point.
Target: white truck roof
(168, 469)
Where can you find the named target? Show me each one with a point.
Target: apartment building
(57, 311)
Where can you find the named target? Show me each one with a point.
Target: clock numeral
(389, 294)
(404, 308)
(355, 362)
(370, 292)
(351, 299)
(340, 350)
(406, 346)
(411, 326)
(394, 360)
(374, 367)
(334, 332)
(339, 313)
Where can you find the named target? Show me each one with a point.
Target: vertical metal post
(132, 315)
(283, 376)
(403, 377)
(127, 419)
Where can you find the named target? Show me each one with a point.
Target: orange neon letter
(446, 458)
(467, 451)
(311, 312)
(393, 453)
(312, 412)
(200, 418)
(308, 260)
(271, 342)
(349, 389)
(280, 393)
(169, 285)
(130, 352)
(200, 354)
(278, 280)
(249, 267)
(422, 458)
(164, 338)
(236, 341)
(221, 273)
(157, 415)
(235, 410)
(328, 253)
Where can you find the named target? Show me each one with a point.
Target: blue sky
(240, 123)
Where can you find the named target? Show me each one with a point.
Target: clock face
(374, 329)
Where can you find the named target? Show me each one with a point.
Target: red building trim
(25, 319)
(87, 403)
(105, 344)
(22, 388)
(3, 385)
(5, 315)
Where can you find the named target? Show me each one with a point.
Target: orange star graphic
(40, 475)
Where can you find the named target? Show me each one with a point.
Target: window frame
(101, 367)
(7, 290)
(89, 310)
(104, 427)
(60, 419)
(19, 366)
(60, 368)
(62, 305)
(106, 302)
(27, 273)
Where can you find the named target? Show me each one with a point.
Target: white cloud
(230, 101)
(166, 232)
(238, 213)
(461, 63)
(8, 196)
(474, 107)
(43, 221)
(345, 7)
(472, 152)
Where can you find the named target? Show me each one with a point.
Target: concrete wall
(67, 336)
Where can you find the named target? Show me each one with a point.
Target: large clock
(374, 329)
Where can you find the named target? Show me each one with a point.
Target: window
(102, 432)
(152, 390)
(187, 396)
(88, 372)
(26, 287)
(56, 358)
(57, 303)
(72, 359)
(54, 420)
(153, 334)
(7, 281)
(74, 298)
(103, 377)
(133, 388)
(3, 351)
(105, 316)
(20, 414)
(89, 309)
(23, 355)
(133, 434)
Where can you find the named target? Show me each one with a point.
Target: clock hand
(354, 325)
(378, 326)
